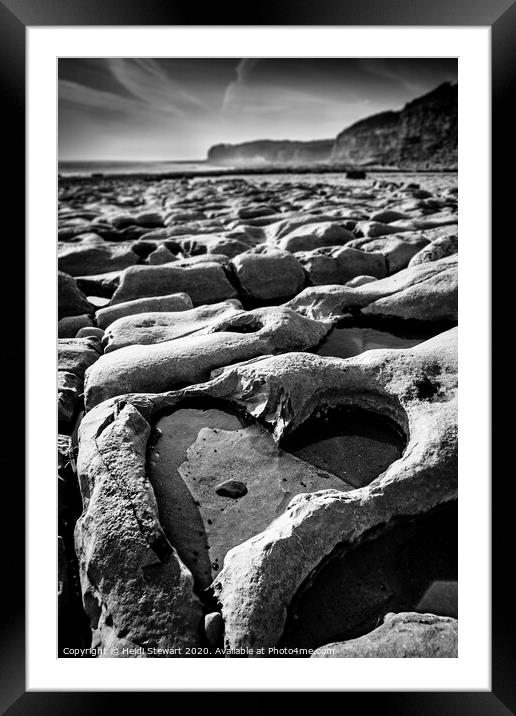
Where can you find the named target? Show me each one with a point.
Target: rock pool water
(353, 444)
(351, 341)
(352, 592)
(200, 448)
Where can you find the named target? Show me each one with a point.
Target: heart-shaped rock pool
(220, 479)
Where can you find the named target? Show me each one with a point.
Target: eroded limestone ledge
(134, 584)
(422, 292)
(228, 336)
(415, 387)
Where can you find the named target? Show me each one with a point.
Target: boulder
(372, 229)
(142, 248)
(438, 249)
(430, 221)
(221, 259)
(407, 635)
(68, 327)
(64, 454)
(269, 276)
(74, 356)
(69, 391)
(313, 236)
(174, 302)
(355, 262)
(226, 246)
(90, 331)
(158, 327)
(386, 216)
(204, 283)
(122, 221)
(77, 354)
(102, 285)
(321, 269)
(87, 260)
(70, 299)
(398, 249)
(274, 232)
(151, 219)
(160, 255)
(251, 212)
(213, 627)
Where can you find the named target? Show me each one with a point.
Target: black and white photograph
(257, 357)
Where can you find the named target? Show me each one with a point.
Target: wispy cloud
(88, 97)
(148, 82)
(244, 71)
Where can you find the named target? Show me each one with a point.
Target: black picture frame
(15, 17)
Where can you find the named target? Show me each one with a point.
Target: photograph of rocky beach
(257, 358)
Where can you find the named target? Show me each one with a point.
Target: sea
(77, 168)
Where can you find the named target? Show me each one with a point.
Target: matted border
(42, 12)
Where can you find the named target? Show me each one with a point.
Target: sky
(175, 109)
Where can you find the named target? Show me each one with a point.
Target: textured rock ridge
(423, 135)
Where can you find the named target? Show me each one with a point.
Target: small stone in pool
(231, 488)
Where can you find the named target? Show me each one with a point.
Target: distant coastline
(70, 167)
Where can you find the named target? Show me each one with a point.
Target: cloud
(148, 82)
(87, 97)
(244, 70)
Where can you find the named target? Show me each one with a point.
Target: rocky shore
(257, 381)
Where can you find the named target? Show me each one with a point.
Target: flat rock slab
(398, 249)
(182, 361)
(437, 249)
(84, 260)
(203, 282)
(426, 292)
(312, 236)
(269, 276)
(199, 449)
(158, 327)
(174, 302)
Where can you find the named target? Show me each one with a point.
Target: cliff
(271, 152)
(422, 135)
